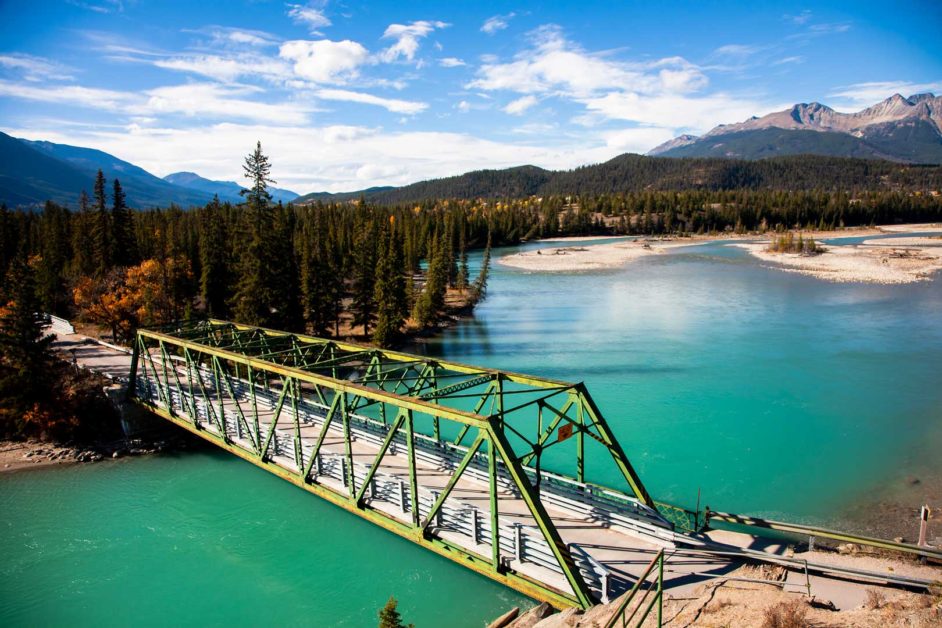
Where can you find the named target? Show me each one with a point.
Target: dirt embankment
(754, 597)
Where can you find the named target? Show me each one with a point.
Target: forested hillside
(361, 267)
(635, 173)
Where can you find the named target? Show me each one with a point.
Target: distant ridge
(33, 172)
(898, 129)
(226, 190)
(631, 173)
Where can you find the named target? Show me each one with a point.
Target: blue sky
(346, 95)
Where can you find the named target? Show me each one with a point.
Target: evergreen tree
(389, 616)
(257, 169)
(122, 225)
(25, 359)
(363, 306)
(255, 294)
(83, 262)
(461, 282)
(429, 304)
(286, 304)
(101, 233)
(54, 253)
(389, 293)
(480, 284)
(214, 260)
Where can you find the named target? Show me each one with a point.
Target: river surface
(767, 392)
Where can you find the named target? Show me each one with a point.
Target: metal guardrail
(651, 579)
(521, 542)
(757, 525)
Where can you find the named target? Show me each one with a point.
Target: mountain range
(33, 172)
(225, 190)
(897, 129)
(900, 130)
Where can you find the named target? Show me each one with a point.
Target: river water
(770, 393)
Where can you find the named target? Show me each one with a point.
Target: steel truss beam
(223, 365)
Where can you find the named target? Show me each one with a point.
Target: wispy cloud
(194, 100)
(390, 104)
(451, 62)
(860, 95)
(228, 69)
(351, 157)
(496, 23)
(310, 16)
(800, 18)
(33, 68)
(520, 105)
(105, 6)
(407, 38)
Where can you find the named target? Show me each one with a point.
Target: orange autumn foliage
(146, 294)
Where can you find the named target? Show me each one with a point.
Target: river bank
(846, 264)
(882, 262)
(34, 454)
(756, 597)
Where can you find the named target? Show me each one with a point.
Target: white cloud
(227, 69)
(105, 99)
(736, 51)
(801, 18)
(496, 23)
(231, 37)
(519, 106)
(335, 158)
(35, 68)
(451, 62)
(219, 102)
(324, 61)
(407, 38)
(789, 60)
(637, 140)
(309, 16)
(675, 111)
(555, 64)
(200, 100)
(665, 93)
(390, 104)
(861, 95)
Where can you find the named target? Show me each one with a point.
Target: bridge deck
(615, 551)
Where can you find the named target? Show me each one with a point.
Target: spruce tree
(461, 282)
(25, 358)
(389, 616)
(255, 292)
(101, 232)
(214, 260)
(389, 293)
(363, 306)
(257, 169)
(124, 251)
(83, 263)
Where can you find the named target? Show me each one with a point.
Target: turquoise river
(770, 393)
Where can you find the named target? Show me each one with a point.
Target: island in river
(886, 261)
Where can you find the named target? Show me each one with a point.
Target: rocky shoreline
(33, 454)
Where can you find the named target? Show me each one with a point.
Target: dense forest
(636, 173)
(358, 267)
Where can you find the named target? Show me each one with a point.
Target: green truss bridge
(447, 455)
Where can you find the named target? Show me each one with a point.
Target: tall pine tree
(124, 245)
(102, 241)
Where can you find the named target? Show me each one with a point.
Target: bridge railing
(253, 391)
(635, 607)
(612, 508)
